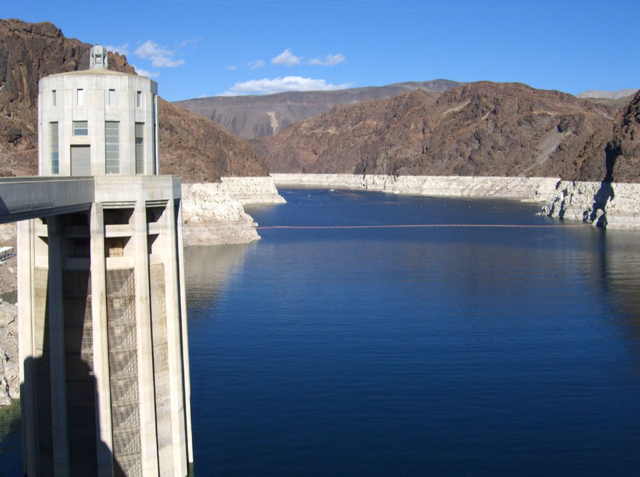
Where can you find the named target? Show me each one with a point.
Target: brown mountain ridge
(483, 128)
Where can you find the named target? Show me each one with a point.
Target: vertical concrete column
(174, 332)
(148, 431)
(104, 435)
(156, 126)
(185, 335)
(26, 263)
(40, 135)
(55, 306)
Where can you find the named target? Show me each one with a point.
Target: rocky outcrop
(211, 216)
(614, 201)
(576, 200)
(612, 205)
(214, 214)
(537, 189)
(9, 358)
(191, 146)
(481, 129)
(252, 190)
(254, 117)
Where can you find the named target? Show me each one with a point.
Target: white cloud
(121, 49)
(328, 60)
(148, 74)
(257, 64)
(286, 58)
(160, 57)
(231, 67)
(278, 85)
(189, 41)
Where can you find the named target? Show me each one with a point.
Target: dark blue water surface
(415, 352)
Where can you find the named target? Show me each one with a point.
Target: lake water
(434, 351)
(450, 351)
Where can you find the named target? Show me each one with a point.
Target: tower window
(112, 147)
(54, 97)
(80, 97)
(139, 99)
(80, 128)
(139, 148)
(55, 164)
(112, 97)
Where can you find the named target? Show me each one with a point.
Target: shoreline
(536, 189)
(614, 206)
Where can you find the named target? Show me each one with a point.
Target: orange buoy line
(506, 226)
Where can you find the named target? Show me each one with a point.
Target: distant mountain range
(621, 93)
(253, 117)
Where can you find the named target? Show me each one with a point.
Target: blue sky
(197, 48)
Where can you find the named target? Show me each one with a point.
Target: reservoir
(488, 341)
(443, 351)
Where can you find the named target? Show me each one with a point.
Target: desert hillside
(480, 129)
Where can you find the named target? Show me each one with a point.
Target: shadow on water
(10, 444)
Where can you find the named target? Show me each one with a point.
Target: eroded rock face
(210, 216)
(192, 146)
(613, 205)
(481, 129)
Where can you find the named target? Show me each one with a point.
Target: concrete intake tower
(101, 294)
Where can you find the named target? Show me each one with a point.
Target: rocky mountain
(481, 129)
(254, 117)
(195, 147)
(622, 152)
(201, 150)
